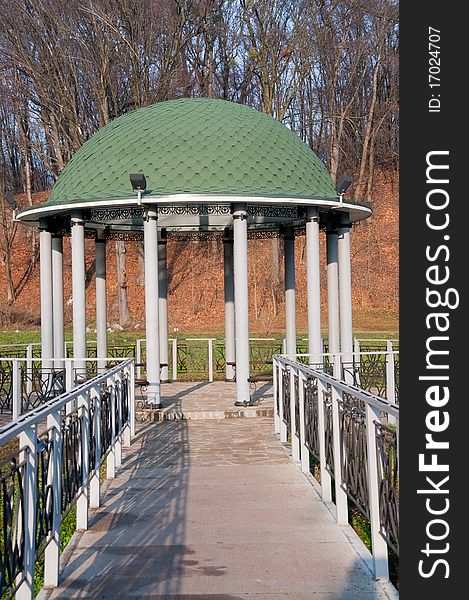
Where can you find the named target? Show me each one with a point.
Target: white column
(163, 304)
(47, 331)
(345, 291)
(290, 299)
(58, 299)
(230, 353)
(79, 291)
(333, 297)
(101, 299)
(151, 305)
(240, 265)
(313, 286)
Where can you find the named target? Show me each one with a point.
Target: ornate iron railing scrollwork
(354, 452)
(328, 430)
(388, 481)
(310, 385)
(286, 398)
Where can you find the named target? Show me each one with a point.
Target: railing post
(390, 378)
(82, 500)
(138, 357)
(284, 346)
(69, 383)
(304, 452)
(131, 403)
(95, 485)
(356, 360)
(28, 447)
(326, 479)
(275, 372)
(29, 369)
(119, 421)
(52, 551)
(295, 442)
(283, 426)
(175, 359)
(378, 544)
(111, 456)
(15, 389)
(210, 360)
(340, 495)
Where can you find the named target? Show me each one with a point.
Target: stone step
(146, 415)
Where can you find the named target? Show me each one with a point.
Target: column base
(245, 403)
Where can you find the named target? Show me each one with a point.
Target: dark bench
(144, 383)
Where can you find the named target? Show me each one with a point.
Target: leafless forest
(328, 69)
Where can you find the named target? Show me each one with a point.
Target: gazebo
(200, 168)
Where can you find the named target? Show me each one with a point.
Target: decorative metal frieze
(354, 452)
(124, 236)
(274, 211)
(388, 478)
(117, 214)
(194, 236)
(194, 209)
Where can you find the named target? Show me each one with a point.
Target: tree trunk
(122, 284)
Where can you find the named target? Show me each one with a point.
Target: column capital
(239, 210)
(162, 236)
(45, 224)
(151, 213)
(100, 236)
(345, 221)
(76, 218)
(288, 232)
(227, 236)
(312, 215)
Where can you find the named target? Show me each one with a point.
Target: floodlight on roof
(343, 184)
(9, 199)
(139, 184)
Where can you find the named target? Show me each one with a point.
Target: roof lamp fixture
(139, 184)
(343, 184)
(9, 199)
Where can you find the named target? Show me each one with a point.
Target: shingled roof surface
(194, 146)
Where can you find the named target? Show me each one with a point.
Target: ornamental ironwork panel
(125, 386)
(328, 430)
(71, 463)
(92, 434)
(122, 350)
(6, 386)
(219, 357)
(106, 422)
(261, 353)
(194, 209)
(270, 210)
(11, 518)
(296, 388)
(39, 385)
(310, 386)
(192, 358)
(45, 492)
(286, 397)
(116, 214)
(371, 371)
(352, 420)
(388, 481)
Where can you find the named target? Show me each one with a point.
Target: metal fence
(55, 466)
(346, 431)
(203, 359)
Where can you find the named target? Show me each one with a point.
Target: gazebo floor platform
(203, 400)
(214, 510)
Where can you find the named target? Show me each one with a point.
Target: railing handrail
(332, 354)
(371, 399)
(37, 415)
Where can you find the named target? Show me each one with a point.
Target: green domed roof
(193, 146)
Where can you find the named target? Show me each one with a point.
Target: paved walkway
(213, 510)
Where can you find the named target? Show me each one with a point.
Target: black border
(422, 132)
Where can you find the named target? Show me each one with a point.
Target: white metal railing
(62, 444)
(346, 430)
